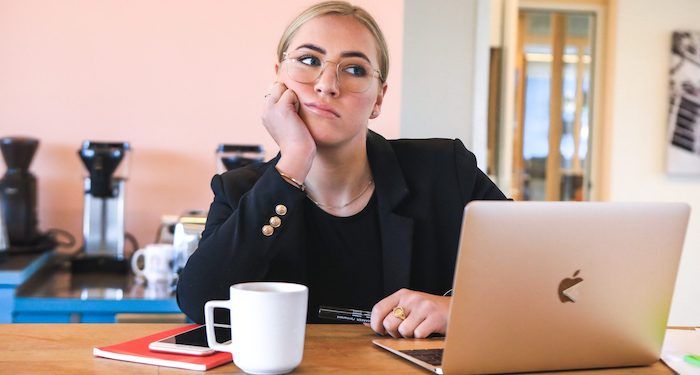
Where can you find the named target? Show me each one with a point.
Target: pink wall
(174, 78)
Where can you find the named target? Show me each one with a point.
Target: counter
(15, 270)
(54, 295)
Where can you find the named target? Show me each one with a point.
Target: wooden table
(67, 349)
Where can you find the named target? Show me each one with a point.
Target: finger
(370, 327)
(276, 91)
(289, 98)
(272, 85)
(381, 309)
(408, 326)
(391, 325)
(430, 325)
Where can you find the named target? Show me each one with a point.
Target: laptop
(543, 286)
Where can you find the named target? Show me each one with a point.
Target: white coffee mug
(158, 263)
(158, 290)
(268, 323)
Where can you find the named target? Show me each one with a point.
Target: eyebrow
(344, 54)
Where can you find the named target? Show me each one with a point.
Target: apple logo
(565, 294)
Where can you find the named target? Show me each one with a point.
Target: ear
(377, 109)
(277, 69)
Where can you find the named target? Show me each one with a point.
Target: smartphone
(193, 341)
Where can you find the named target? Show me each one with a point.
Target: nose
(327, 82)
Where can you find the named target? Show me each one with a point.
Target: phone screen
(198, 336)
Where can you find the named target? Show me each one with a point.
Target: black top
(346, 254)
(421, 187)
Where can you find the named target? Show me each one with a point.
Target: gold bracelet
(299, 185)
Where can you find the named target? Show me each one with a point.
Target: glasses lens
(354, 74)
(304, 67)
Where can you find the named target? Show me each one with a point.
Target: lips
(322, 110)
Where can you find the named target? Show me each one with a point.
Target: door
(553, 111)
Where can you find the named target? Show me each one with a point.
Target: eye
(355, 70)
(309, 60)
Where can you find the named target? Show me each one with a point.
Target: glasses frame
(324, 63)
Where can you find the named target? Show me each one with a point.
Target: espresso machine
(18, 199)
(103, 210)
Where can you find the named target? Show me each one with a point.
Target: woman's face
(334, 114)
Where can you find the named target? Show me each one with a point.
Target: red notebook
(137, 351)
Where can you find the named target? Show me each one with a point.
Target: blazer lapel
(396, 230)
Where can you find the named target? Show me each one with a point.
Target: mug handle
(134, 262)
(209, 323)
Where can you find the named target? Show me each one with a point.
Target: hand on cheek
(280, 118)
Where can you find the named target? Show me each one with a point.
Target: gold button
(281, 209)
(275, 221)
(267, 230)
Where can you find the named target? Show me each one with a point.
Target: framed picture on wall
(683, 156)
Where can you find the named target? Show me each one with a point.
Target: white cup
(158, 263)
(158, 290)
(268, 323)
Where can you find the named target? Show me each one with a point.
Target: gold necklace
(346, 204)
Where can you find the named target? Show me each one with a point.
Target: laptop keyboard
(431, 356)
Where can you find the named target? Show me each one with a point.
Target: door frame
(600, 132)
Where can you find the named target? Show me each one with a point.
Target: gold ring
(399, 313)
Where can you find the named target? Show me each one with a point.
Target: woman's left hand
(425, 314)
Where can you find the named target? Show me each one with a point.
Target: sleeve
(234, 247)
(473, 183)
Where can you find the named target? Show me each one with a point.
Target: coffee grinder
(103, 210)
(18, 194)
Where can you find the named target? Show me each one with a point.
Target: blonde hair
(340, 8)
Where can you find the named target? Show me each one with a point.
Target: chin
(329, 132)
(324, 132)
(328, 139)
(331, 137)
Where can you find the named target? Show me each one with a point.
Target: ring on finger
(399, 313)
(266, 95)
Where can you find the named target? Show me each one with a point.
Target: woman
(366, 223)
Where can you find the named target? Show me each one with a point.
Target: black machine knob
(101, 160)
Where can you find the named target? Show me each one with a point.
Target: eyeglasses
(353, 74)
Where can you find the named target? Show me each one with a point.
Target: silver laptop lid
(555, 285)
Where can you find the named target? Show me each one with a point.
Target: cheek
(295, 86)
(364, 104)
(303, 91)
(291, 84)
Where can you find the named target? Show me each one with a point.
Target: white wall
(638, 127)
(445, 76)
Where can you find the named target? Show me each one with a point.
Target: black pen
(343, 314)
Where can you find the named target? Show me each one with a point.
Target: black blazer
(421, 187)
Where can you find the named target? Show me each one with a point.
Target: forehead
(336, 34)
